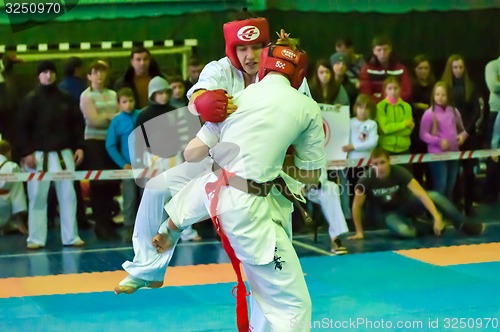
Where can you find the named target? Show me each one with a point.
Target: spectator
(99, 107)
(8, 98)
(389, 194)
(465, 98)
(492, 75)
(380, 66)
(50, 139)
(194, 68)
(325, 88)
(178, 98)
(13, 210)
(421, 94)
(117, 146)
(354, 62)
(73, 81)
(442, 130)
(74, 84)
(362, 140)
(142, 69)
(394, 119)
(339, 71)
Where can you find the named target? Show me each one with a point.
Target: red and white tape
(152, 172)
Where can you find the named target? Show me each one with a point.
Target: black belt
(263, 189)
(46, 160)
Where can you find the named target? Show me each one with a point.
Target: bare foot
(162, 242)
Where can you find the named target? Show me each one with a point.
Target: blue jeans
(401, 221)
(444, 176)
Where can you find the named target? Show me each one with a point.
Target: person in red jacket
(381, 65)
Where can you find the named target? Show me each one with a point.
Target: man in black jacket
(50, 139)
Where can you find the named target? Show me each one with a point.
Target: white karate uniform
(37, 194)
(270, 117)
(15, 200)
(147, 263)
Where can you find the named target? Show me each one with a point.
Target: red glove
(211, 105)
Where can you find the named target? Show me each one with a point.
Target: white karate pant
(13, 202)
(280, 300)
(328, 198)
(37, 194)
(147, 263)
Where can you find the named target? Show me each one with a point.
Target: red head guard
(245, 32)
(285, 60)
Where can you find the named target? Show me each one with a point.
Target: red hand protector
(211, 105)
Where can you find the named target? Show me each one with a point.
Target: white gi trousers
(258, 233)
(147, 263)
(329, 199)
(37, 194)
(13, 202)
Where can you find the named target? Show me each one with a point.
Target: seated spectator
(354, 62)
(325, 88)
(394, 119)
(13, 209)
(142, 69)
(442, 129)
(390, 195)
(117, 146)
(380, 66)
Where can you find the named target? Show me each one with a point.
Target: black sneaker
(338, 248)
(470, 228)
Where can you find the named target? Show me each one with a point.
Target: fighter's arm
(421, 194)
(198, 147)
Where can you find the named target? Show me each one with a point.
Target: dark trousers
(101, 192)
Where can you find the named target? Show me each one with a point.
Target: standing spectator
(8, 97)
(442, 130)
(142, 69)
(178, 98)
(118, 149)
(325, 88)
(99, 107)
(363, 138)
(381, 65)
(73, 81)
(394, 119)
(50, 139)
(354, 62)
(339, 71)
(194, 68)
(421, 94)
(74, 84)
(492, 75)
(465, 98)
(13, 210)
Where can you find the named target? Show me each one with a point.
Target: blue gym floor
(382, 284)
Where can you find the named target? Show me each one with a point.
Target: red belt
(213, 189)
(4, 191)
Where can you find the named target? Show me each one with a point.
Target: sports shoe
(34, 246)
(470, 228)
(337, 247)
(77, 243)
